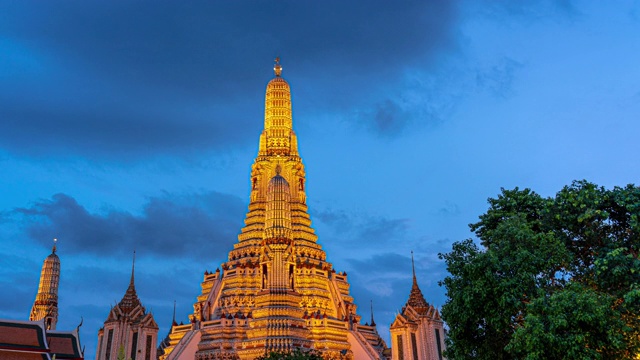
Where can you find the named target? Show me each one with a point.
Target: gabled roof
(64, 345)
(13, 355)
(23, 336)
(29, 340)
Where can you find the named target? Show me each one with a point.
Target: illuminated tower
(129, 329)
(417, 333)
(46, 304)
(276, 291)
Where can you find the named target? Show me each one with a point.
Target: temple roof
(416, 299)
(23, 336)
(130, 299)
(64, 345)
(26, 340)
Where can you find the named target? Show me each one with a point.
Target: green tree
(121, 355)
(552, 277)
(297, 354)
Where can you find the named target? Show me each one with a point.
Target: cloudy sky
(133, 125)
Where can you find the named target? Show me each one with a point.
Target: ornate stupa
(38, 337)
(276, 291)
(45, 307)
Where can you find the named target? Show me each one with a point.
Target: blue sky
(134, 124)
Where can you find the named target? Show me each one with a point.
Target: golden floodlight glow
(276, 291)
(45, 307)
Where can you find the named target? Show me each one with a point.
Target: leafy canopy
(296, 354)
(552, 278)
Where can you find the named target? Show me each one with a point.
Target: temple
(276, 291)
(129, 332)
(38, 337)
(417, 332)
(45, 307)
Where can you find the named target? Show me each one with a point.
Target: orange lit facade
(417, 333)
(129, 331)
(45, 307)
(276, 291)
(38, 337)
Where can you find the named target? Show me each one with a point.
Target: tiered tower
(45, 307)
(276, 292)
(417, 333)
(129, 331)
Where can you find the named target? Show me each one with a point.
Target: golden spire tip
(277, 68)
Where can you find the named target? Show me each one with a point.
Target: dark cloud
(449, 209)
(197, 225)
(388, 263)
(383, 229)
(19, 292)
(498, 78)
(14, 304)
(19, 280)
(355, 229)
(126, 79)
(339, 220)
(388, 119)
(396, 266)
(532, 10)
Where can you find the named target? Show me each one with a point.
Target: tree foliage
(296, 354)
(552, 278)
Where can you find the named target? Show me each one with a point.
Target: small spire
(373, 323)
(133, 268)
(53, 251)
(413, 267)
(174, 323)
(277, 68)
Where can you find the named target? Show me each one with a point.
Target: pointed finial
(373, 323)
(413, 267)
(133, 267)
(55, 240)
(277, 68)
(278, 169)
(174, 323)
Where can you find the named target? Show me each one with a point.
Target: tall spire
(130, 299)
(278, 137)
(133, 269)
(45, 307)
(373, 322)
(173, 322)
(416, 299)
(413, 268)
(278, 146)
